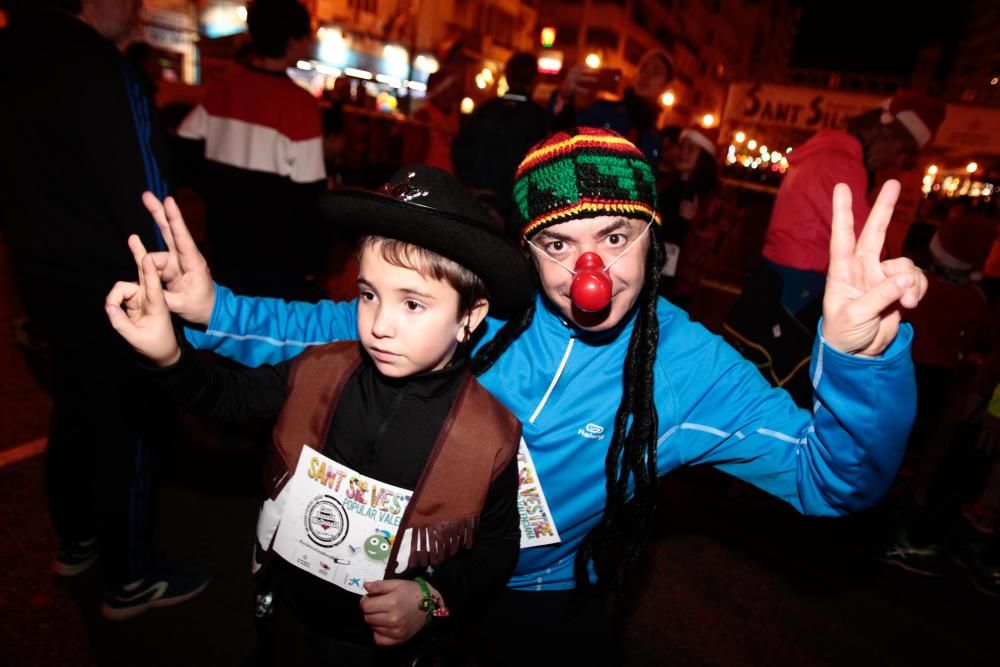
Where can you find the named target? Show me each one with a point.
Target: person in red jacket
(773, 320)
(798, 235)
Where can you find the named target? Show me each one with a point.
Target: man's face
(652, 79)
(407, 323)
(891, 147)
(115, 19)
(687, 157)
(608, 236)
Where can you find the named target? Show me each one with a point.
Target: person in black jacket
(497, 136)
(81, 142)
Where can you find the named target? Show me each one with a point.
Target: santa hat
(705, 138)
(919, 114)
(964, 244)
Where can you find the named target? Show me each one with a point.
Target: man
(261, 136)
(497, 136)
(633, 116)
(80, 144)
(783, 299)
(615, 386)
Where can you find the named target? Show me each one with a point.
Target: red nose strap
(591, 289)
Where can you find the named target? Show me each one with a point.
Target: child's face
(608, 236)
(407, 323)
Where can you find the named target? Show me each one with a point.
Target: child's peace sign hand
(145, 320)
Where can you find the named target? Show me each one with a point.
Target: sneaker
(983, 571)
(75, 558)
(162, 590)
(925, 560)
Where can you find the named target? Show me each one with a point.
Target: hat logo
(405, 190)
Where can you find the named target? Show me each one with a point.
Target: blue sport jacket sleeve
(838, 458)
(257, 330)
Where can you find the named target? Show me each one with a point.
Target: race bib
(338, 524)
(537, 526)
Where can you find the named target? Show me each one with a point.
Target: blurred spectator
(633, 116)
(81, 142)
(497, 136)
(261, 137)
(429, 142)
(954, 301)
(666, 175)
(956, 335)
(694, 217)
(775, 319)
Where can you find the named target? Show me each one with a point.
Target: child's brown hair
(471, 289)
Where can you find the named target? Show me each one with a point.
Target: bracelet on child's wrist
(431, 603)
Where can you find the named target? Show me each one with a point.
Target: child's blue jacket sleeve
(281, 329)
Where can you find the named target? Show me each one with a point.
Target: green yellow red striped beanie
(584, 172)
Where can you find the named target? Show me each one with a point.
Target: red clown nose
(591, 289)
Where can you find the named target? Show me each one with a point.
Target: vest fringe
(440, 541)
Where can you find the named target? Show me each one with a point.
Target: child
(400, 411)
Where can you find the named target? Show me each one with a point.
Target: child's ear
(473, 319)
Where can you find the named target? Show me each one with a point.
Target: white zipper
(552, 385)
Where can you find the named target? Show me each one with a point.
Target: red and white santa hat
(964, 244)
(919, 114)
(705, 138)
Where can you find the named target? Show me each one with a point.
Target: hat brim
(485, 252)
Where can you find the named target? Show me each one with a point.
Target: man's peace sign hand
(861, 306)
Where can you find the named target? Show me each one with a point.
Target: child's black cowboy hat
(430, 208)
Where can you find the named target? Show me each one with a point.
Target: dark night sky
(873, 36)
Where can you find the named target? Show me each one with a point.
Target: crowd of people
(521, 289)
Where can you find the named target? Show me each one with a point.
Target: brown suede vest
(477, 440)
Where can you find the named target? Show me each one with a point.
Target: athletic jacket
(714, 408)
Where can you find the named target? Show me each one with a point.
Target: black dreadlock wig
(618, 540)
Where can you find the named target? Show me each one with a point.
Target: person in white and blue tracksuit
(616, 386)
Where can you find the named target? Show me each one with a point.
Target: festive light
(668, 99)
(708, 120)
(428, 64)
(751, 144)
(740, 137)
(932, 170)
(358, 73)
(467, 105)
(548, 36)
(549, 65)
(972, 167)
(593, 60)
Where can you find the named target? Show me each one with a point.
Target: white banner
(966, 128)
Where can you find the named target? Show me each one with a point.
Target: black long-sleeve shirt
(384, 428)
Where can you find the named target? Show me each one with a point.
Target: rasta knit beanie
(583, 172)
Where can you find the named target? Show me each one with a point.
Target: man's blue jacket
(713, 406)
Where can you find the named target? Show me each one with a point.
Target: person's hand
(861, 306)
(392, 609)
(145, 323)
(190, 292)
(578, 78)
